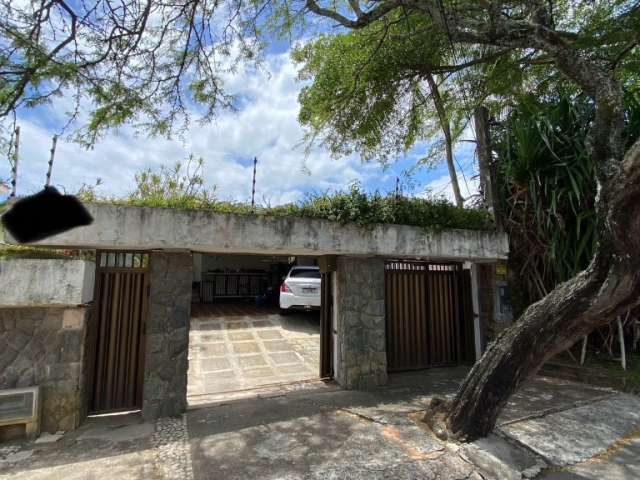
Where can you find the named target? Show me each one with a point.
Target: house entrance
(254, 326)
(429, 315)
(117, 332)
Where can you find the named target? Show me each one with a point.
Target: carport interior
(239, 341)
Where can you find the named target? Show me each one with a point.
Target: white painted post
(623, 353)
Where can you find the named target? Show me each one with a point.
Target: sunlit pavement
(579, 431)
(234, 347)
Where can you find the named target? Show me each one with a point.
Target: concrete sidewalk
(550, 429)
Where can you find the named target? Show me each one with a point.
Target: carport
(353, 318)
(239, 341)
(236, 348)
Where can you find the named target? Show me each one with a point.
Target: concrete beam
(127, 227)
(39, 282)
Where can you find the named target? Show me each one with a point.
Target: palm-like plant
(547, 189)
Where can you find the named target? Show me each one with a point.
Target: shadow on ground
(326, 434)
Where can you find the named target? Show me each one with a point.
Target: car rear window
(305, 273)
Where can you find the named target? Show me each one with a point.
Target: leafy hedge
(350, 206)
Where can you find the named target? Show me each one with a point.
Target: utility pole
(14, 170)
(253, 190)
(397, 188)
(53, 152)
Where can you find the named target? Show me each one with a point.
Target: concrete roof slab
(130, 227)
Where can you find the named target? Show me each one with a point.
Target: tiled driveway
(235, 346)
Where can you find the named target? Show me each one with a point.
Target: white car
(300, 289)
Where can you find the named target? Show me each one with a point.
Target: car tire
(284, 311)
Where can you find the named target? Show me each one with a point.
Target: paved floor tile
(209, 326)
(262, 372)
(245, 347)
(269, 334)
(262, 324)
(217, 376)
(236, 325)
(212, 350)
(252, 361)
(284, 358)
(211, 337)
(241, 335)
(277, 346)
(213, 364)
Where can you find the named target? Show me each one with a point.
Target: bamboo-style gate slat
(429, 318)
(117, 332)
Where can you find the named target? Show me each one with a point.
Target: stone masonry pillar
(167, 343)
(361, 360)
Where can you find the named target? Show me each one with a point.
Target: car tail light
(284, 287)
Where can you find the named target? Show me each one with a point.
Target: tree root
(435, 417)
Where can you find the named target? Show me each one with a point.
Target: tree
(373, 93)
(137, 59)
(146, 62)
(587, 50)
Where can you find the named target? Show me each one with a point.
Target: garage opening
(255, 324)
(429, 315)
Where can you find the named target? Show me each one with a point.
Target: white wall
(45, 282)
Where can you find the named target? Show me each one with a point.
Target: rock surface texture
(46, 347)
(166, 358)
(361, 350)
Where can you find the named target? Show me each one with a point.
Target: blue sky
(265, 126)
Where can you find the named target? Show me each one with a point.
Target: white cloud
(266, 126)
(441, 187)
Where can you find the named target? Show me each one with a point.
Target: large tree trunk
(486, 167)
(448, 140)
(609, 287)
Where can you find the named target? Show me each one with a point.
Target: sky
(265, 126)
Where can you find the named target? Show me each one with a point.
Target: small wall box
(21, 406)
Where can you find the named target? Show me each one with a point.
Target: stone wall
(166, 363)
(361, 359)
(45, 347)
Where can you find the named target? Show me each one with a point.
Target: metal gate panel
(427, 315)
(117, 332)
(326, 326)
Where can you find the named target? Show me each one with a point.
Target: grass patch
(613, 368)
(11, 252)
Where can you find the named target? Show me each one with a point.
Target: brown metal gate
(117, 332)
(429, 318)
